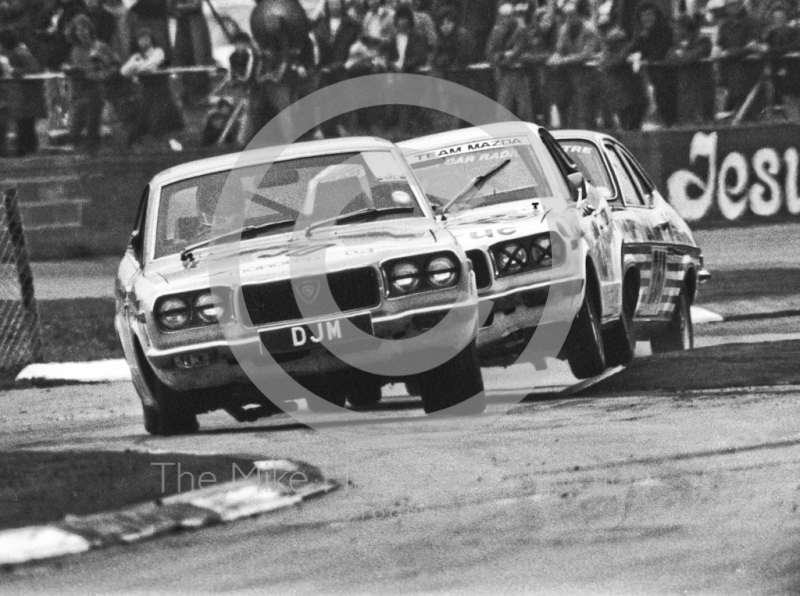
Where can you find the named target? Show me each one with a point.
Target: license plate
(303, 337)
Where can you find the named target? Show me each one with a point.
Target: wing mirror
(577, 186)
(136, 243)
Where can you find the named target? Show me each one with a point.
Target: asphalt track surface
(647, 491)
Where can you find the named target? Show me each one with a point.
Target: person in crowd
(694, 94)
(51, 23)
(103, 21)
(378, 22)
(477, 17)
(504, 51)
(243, 64)
(577, 45)
(25, 98)
(651, 43)
(120, 39)
(457, 48)
(356, 9)
(336, 32)
(158, 113)
(738, 38)
(410, 50)
(192, 47)
(282, 77)
(624, 94)
(218, 123)
(366, 57)
(91, 64)
(781, 38)
(153, 16)
(423, 22)
(539, 46)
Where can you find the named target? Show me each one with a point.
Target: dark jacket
(456, 50)
(418, 52)
(786, 71)
(25, 98)
(655, 43)
(334, 49)
(506, 44)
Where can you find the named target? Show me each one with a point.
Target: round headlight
(441, 272)
(512, 258)
(209, 307)
(542, 252)
(404, 277)
(173, 313)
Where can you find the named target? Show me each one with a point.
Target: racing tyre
(329, 395)
(585, 352)
(364, 390)
(456, 382)
(679, 335)
(170, 416)
(619, 342)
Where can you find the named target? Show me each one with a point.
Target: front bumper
(506, 313)
(219, 360)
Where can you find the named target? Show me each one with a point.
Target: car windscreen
(445, 172)
(315, 187)
(587, 157)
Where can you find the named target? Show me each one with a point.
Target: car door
(602, 236)
(648, 236)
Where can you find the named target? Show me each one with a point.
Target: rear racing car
(662, 264)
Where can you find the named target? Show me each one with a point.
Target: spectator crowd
(612, 64)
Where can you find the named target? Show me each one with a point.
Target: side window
(641, 178)
(630, 191)
(565, 164)
(137, 237)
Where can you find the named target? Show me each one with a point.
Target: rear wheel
(619, 341)
(457, 382)
(171, 415)
(585, 352)
(679, 334)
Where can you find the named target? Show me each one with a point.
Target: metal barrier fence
(20, 336)
(481, 78)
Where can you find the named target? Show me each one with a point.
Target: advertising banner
(727, 175)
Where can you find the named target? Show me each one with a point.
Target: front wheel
(585, 352)
(170, 416)
(679, 334)
(364, 390)
(457, 382)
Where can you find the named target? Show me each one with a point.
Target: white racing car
(519, 260)
(392, 271)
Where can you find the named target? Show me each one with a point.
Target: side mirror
(577, 186)
(136, 244)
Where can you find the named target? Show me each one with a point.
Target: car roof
(588, 135)
(266, 155)
(462, 135)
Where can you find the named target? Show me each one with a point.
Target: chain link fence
(20, 335)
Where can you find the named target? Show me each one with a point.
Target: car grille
(275, 302)
(483, 279)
